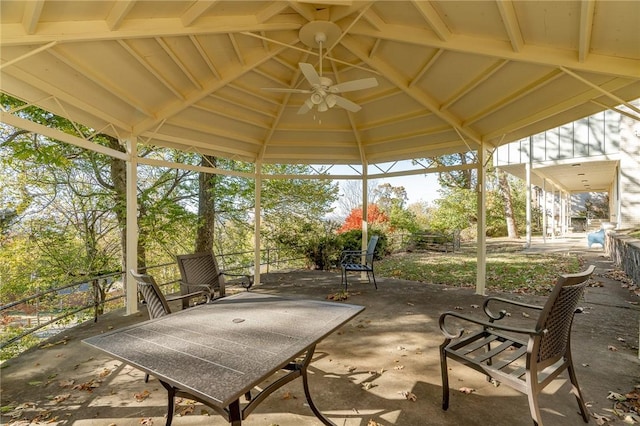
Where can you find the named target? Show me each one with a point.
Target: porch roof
(451, 75)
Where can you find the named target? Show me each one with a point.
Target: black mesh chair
(526, 364)
(359, 261)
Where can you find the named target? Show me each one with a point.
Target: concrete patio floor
(359, 374)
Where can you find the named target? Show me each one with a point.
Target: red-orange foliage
(354, 220)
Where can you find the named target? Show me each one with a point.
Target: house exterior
(599, 154)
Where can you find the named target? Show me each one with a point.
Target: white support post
(131, 258)
(481, 273)
(528, 193)
(544, 211)
(365, 215)
(258, 220)
(553, 214)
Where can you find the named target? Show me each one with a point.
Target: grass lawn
(508, 270)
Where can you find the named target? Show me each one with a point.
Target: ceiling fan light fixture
(322, 106)
(331, 100)
(316, 98)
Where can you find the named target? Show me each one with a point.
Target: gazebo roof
(451, 74)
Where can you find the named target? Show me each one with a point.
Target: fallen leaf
(66, 383)
(351, 369)
(409, 395)
(600, 419)
(60, 398)
(372, 422)
(367, 385)
(147, 421)
(184, 411)
(141, 396)
(104, 373)
(466, 390)
(475, 306)
(288, 395)
(621, 339)
(612, 348)
(398, 367)
(526, 315)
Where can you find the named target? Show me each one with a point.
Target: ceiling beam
(118, 13)
(135, 55)
(433, 19)
(510, 20)
(50, 132)
(98, 30)
(541, 55)
(196, 10)
(100, 81)
(415, 93)
(522, 92)
(31, 16)
(482, 76)
(65, 97)
(556, 109)
(210, 87)
(170, 53)
(587, 9)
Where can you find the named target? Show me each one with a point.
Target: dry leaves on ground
(409, 396)
(141, 396)
(466, 390)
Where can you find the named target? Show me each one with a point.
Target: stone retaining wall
(625, 253)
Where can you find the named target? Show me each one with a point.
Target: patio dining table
(218, 352)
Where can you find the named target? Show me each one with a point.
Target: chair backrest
(199, 269)
(371, 248)
(556, 317)
(157, 305)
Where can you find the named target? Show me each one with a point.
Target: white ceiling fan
(324, 94)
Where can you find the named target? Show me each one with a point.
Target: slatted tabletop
(220, 350)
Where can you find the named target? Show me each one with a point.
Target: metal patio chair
(526, 364)
(200, 272)
(157, 303)
(352, 260)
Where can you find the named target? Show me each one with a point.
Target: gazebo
(317, 82)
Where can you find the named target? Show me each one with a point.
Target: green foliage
(455, 210)
(322, 252)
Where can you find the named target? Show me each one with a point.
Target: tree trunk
(206, 208)
(119, 178)
(505, 191)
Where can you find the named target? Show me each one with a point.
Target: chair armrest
(503, 313)
(249, 278)
(486, 324)
(352, 254)
(206, 294)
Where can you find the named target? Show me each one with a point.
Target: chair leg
(374, 279)
(146, 378)
(445, 375)
(532, 396)
(577, 392)
(344, 278)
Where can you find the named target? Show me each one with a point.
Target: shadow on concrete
(361, 373)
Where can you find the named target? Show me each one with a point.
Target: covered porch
(360, 375)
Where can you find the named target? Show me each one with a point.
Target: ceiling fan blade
(306, 107)
(283, 90)
(347, 104)
(349, 86)
(310, 74)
